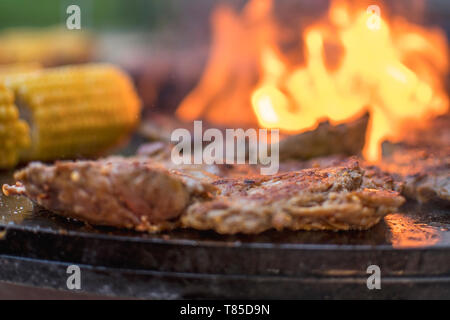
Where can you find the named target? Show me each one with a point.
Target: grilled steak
(425, 173)
(334, 198)
(144, 195)
(118, 192)
(422, 161)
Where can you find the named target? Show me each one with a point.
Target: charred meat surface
(333, 198)
(130, 193)
(425, 173)
(430, 134)
(421, 160)
(142, 194)
(327, 139)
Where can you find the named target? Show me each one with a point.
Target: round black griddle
(412, 249)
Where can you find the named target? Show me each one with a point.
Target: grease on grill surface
(14, 209)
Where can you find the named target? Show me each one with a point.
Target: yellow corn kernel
(14, 133)
(8, 113)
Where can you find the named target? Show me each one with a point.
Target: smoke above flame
(353, 61)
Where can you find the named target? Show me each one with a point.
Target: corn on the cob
(14, 134)
(75, 111)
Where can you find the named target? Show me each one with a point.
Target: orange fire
(353, 60)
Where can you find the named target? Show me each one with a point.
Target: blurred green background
(96, 14)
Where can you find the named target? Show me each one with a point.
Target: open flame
(395, 70)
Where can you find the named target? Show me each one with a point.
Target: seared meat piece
(425, 173)
(422, 161)
(144, 195)
(333, 198)
(118, 192)
(431, 134)
(326, 139)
